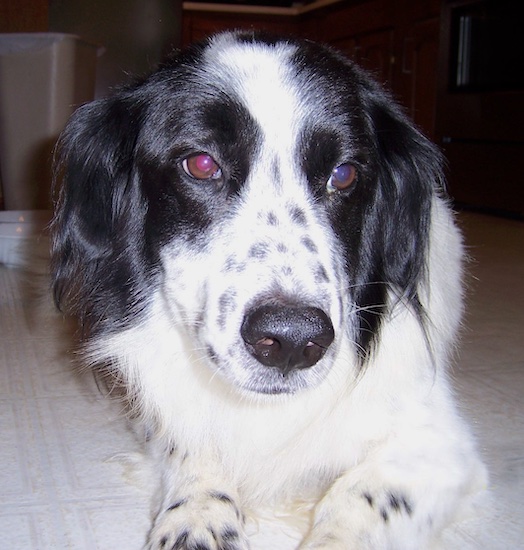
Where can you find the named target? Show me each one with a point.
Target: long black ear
(95, 185)
(395, 227)
(410, 176)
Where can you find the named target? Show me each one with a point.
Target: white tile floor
(59, 488)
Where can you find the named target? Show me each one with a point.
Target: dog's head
(264, 194)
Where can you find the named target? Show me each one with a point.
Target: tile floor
(62, 485)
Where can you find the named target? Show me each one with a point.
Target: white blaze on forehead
(260, 76)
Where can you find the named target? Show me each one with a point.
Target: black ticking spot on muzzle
(287, 338)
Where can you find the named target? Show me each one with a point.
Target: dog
(258, 247)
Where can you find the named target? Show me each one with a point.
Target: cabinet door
(372, 50)
(375, 53)
(348, 46)
(197, 25)
(416, 73)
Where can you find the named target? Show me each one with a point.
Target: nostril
(266, 347)
(313, 352)
(287, 337)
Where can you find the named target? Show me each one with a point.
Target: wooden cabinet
(396, 41)
(364, 31)
(198, 24)
(480, 103)
(416, 72)
(24, 15)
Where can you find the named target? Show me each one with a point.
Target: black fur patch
(321, 275)
(223, 497)
(226, 304)
(177, 504)
(227, 499)
(395, 504)
(310, 245)
(258, 251)
(399, 503)
(272, 219)
(298, 216)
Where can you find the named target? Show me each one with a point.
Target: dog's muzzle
(287, 338)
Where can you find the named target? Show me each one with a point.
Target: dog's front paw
(366, 519)
(212, 522)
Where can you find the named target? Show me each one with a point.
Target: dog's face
(266, 193)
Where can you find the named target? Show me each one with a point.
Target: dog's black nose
(287, 337)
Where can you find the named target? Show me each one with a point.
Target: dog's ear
(94, 184)
(409, 176)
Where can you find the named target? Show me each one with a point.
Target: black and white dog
(255, 241)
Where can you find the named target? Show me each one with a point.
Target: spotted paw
(210, 523)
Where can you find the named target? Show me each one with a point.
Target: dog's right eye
(202, 167)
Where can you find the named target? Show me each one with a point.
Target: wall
(23, 15)
(135, 33)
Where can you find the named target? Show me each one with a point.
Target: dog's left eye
(341, 177)
(201, 167)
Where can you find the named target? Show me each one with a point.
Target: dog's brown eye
(201, 167)
(341, 177)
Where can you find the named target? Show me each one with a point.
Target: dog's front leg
(198, 509)
(393, 502)
(361, 516)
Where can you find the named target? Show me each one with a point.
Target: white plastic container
(22, 232)
(43, 77)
